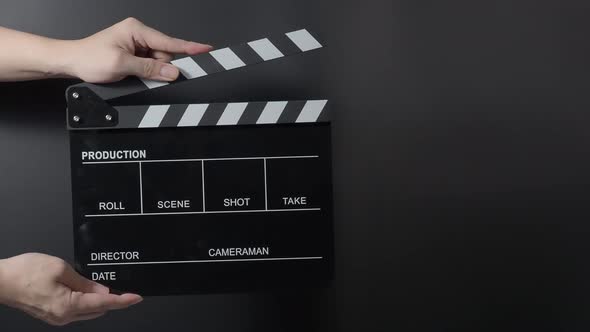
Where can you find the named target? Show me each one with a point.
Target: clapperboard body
(189, 198)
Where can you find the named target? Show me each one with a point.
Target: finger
(76, 282)
(149, 68)
(156, 40)
(160, 56)
(90, 316)
(88, 303)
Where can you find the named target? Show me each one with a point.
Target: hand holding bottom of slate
(48, 288)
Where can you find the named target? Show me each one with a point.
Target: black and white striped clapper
(202, 197)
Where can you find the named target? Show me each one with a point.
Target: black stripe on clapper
(325, 114)
(251, 113)
(180, 78)
(247, 54)
(173, 115)
(284, 44)
(208, 63)
(130, 116)
(291, 111)
(212, 114)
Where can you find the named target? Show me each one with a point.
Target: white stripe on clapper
(311, 111)
(265, 49)
(153, 84)
(153, 116)
(304, 40)
(227, 58)
(232, 114)
(189, 68)
(271, 112)
(192, 115)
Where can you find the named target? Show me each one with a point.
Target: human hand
(48, 288)
(126, 48)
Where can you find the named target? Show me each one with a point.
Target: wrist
(59, 62)
(3, 282)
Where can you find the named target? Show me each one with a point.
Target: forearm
(3, 284)
(26, 57)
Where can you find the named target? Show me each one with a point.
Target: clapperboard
(192, 198)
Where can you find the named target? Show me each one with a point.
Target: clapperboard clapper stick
(197, 198)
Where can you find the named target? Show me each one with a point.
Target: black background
(461, 165)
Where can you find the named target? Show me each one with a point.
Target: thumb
(149, 68)
(76, 282)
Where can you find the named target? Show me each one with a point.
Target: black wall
(461, 160)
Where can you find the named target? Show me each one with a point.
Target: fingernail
(199, 44)
(138, 298)
(169, 71)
